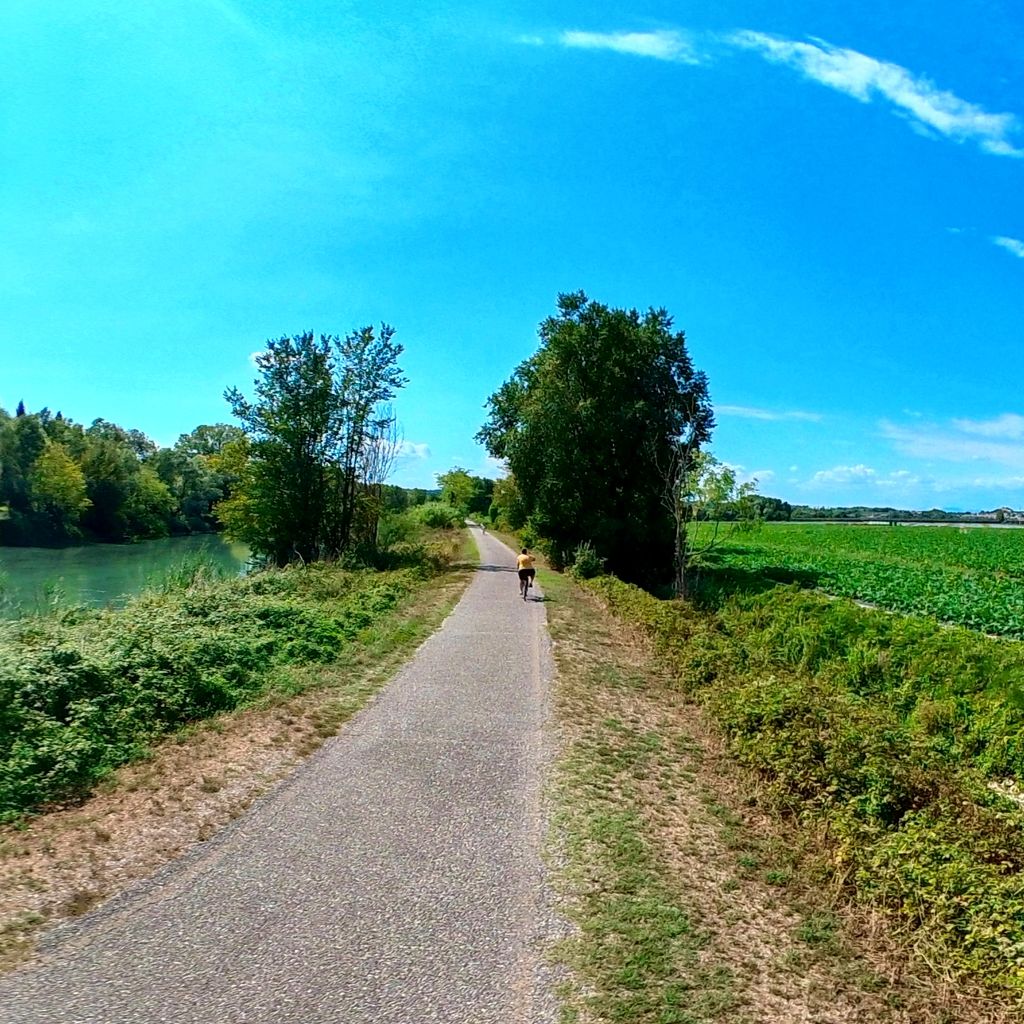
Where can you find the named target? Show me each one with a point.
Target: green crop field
(972, 577)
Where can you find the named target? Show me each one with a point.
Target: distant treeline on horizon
(776, 510)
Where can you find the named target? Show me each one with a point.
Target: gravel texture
(395, 877)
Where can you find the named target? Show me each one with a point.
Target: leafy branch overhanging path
(395, 877)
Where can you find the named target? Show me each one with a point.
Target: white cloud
(900, 478)
(1009, 425)
(664, 44)
(926, 107)
(747, 412)
(1014, 245)
(757, 476)
(412, 450)
(955, 444)
(844, 475)
(253, 356)
(528, 40)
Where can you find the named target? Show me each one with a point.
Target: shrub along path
(395, 877)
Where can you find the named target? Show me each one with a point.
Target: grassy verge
(194, 780)
(692, 900)
(861, 729)
(84, 691)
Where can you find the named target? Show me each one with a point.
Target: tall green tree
(58, 491)
(457, 487)
(584, 423)
(319, 440)
(363, 438)
(207, 439)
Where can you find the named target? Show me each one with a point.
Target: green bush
(83, 692)
(586, 563)
(885, 731)
(441, 516)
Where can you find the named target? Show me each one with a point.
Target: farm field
(971, 577)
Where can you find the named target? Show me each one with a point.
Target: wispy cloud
(1014, 245)
(863, 476)
(977, 442)
(747, 412)
(663, 44)
(1009, 425)
(845, 475)
(926, 107)
(755, 476)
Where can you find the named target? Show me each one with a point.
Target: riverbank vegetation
(83, 691)
(62, 482)
(197, 779)
(319, 442)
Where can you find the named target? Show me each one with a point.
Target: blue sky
(826, 196)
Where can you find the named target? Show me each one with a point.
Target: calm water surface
(100, 574)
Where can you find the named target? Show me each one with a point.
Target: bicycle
(524, 585)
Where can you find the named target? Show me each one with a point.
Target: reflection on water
(100, 574)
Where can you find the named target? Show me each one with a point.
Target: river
(101, 574)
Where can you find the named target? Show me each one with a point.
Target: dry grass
(62, 863)
(770, 942)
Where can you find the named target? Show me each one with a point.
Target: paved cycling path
(395, 877)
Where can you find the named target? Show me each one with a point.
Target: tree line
(301, 478)
(62, 482)
(602, 431)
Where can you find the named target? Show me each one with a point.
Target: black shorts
(527, 574)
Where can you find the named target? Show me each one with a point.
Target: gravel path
(395, 877)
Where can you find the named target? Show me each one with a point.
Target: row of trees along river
(314, 447)
(601, 429)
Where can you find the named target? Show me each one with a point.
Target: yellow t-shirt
(525, 562)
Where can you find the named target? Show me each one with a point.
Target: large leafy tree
(585, 423)
(58, 490)
(470, 494)
(319, 437)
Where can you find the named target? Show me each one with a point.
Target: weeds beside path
(690, 904)
(63, 862)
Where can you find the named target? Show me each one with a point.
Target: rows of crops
(972, 577)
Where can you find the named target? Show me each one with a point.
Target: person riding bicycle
(524, 563)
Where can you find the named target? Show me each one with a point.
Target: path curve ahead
(394, 878)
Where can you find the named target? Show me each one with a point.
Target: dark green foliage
(471, 495)
(61, 483)
(889, 732)
(86, 691)
(587, 427)
(319, 445)
(439, 515)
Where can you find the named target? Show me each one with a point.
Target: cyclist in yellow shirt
(524, 563)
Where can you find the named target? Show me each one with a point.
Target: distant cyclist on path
(524, 563)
